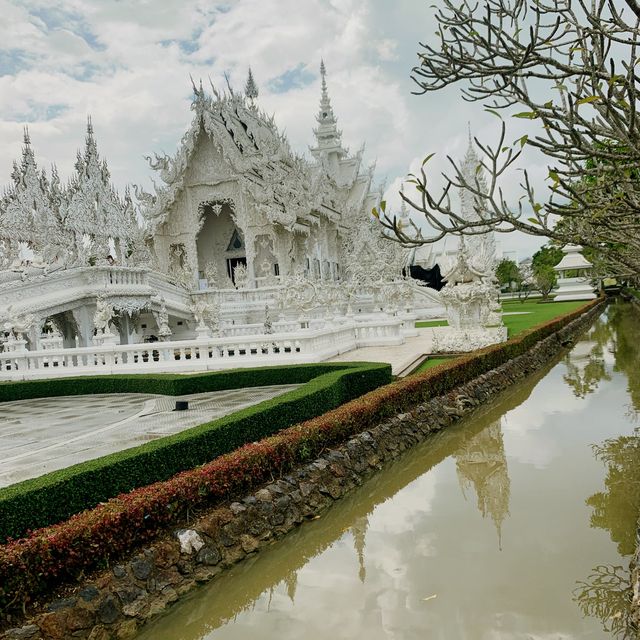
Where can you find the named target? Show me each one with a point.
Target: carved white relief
(102, 317)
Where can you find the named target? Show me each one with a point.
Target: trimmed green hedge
(167, 384)
(57, 495)
(58, 554)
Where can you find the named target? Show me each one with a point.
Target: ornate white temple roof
(286, 186)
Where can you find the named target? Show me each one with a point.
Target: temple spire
(327, 133)
(251, 88)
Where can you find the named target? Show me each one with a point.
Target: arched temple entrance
(220, 244)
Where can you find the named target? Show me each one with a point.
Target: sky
(127, 64)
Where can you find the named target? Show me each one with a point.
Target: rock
(119, 571)
(233, 555)
(89, 593)
(249, 544)
(282, 503)
(257, 526)
(134, 609)
(169, 576)
(63, 603)
(306, 488)
(127, 630)
(108, 611)
(99, 633)
(276, 518)
(237, 508)
(80, 618)
(142, 568)
(23, 633)
(263, 495)
(204, 573)
(170, 594)
(190, 541)
(208, 555)
(53, 625)
(129, 593)
(166, 554)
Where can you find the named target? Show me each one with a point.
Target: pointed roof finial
(251, 88)
(89, 126)
(327, 133)
(26, 138)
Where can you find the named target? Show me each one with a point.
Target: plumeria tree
(570, 68)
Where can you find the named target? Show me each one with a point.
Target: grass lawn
(430, 362)
(536, 313)
(533, 313)
(431, 323)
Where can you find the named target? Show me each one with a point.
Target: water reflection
(477, 448)
(482, 465)
(426, 526)
(606, 595)
(607, 592)
(585, 363)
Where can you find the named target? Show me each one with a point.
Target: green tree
(545, 279)
(569, 69)
(546, 256)
(507, 272)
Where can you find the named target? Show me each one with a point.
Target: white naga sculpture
(17, 324)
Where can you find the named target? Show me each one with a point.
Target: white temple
(243, 238)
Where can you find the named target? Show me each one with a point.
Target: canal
(517, 523)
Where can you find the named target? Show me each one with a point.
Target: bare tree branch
(569, 66)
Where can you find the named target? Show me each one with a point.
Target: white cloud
(128, 65)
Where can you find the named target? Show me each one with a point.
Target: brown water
(518, 523)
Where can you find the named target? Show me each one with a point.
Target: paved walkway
(399, 357)
(41, 435)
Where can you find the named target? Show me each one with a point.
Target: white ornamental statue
(102, 317)
(162, 318)
(212, 274)
(268, 323)
(17, 324)
(240, 276)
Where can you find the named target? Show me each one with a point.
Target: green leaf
(587, 100)
(383, 206)
(428, 158)
(375, 214)
(523, 140)
(528, 115)
(533, 221)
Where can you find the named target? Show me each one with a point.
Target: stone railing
(309, 345)
(69, 285)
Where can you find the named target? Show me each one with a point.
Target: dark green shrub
(55, 496)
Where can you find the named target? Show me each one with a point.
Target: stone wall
(116, 603)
